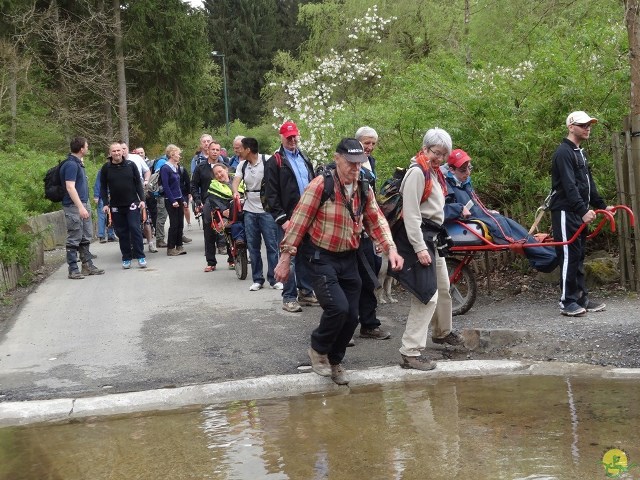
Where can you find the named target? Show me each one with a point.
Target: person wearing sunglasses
(573, 194)
(462, 203)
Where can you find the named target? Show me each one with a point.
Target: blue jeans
(255, 225)
(102, 223)
(129, 231)
(299, 277)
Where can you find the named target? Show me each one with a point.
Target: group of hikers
(325, 235)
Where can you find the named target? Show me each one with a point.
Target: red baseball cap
(288, 129)
(458, 157)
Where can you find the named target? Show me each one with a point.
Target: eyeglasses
(582, 125)
(437, 154)
(468, 168)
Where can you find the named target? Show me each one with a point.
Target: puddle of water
(494, 428)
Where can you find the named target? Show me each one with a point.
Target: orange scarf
(425, 165)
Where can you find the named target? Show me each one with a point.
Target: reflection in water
(575, 452)
(491, 428)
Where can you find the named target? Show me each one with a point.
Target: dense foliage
(503, 97)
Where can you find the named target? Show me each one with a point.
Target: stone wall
(49, 231)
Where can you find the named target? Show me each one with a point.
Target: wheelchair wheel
(241, 263)
(463, 291)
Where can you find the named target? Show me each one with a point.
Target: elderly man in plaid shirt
(327, 236)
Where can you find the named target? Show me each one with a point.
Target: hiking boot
(102, 240)
(573, 310)
(255, 287)
(319, 363)
(186, 239)
(417, 363)
(91, 269)
(292, 307)
(308, 300)
(376, 333)
(180, 249)
(152, 247)
(591, 306)
(337, 375)
(161, 244)
(142, 262)
(454, 338)
(76, 275)
(172, 252)
(126, 264)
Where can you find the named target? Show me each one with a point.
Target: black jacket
(120, 184)
(572, 185)
(200, 180)
(281, 187)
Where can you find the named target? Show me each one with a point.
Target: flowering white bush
(489, 77)
(312, 97)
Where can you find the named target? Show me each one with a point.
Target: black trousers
(210, 235)
(368, 301)
(176, 224)
(570, 257)
(337, 284)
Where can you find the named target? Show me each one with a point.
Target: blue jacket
(171, 184)
(504, 230)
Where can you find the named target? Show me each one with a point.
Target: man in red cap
(287, 173)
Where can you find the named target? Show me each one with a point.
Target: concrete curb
(29, 412)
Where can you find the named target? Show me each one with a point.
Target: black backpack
(390, 198)
(53, 188)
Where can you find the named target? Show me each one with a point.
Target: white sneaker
(277, 286)
(255, 287)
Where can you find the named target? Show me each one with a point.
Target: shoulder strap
(278, 158)
(328, 191)
(244, 168)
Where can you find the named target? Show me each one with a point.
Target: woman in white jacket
(423, 193)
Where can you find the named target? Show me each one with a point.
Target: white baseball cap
(580, 117)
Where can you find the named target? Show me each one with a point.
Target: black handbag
(419, 279)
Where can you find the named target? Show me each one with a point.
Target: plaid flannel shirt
(331, 226)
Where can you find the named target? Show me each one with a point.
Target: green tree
(249, 33)
(171, 74)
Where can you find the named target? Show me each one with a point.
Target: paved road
(168, 325)
(174, 325)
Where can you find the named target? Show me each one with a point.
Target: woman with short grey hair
(423, 193)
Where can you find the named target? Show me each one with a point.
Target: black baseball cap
(352, 150)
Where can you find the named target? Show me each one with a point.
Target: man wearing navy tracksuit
(573, 194)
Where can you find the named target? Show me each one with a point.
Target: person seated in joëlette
(222, 201)
(462, 203)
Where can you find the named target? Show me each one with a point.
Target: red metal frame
(489, 246)
(219, 224)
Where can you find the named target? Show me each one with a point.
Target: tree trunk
(467, 20)
(122, 81)
(13, 97)
(632, 20)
